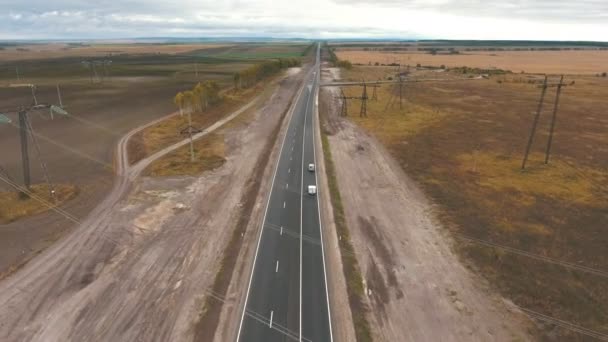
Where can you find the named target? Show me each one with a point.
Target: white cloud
(449, 19)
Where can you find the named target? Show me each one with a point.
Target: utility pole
(559, 90)
(375, 93)
(363, 112)
(400, 92)
(33, 87)
(59, 96)
(535, 122)
(26, 132)
(344, 111)
(190, 130)
(25, 159)
(190, 134)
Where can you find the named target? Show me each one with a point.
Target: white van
(312, 190)
(311, 167)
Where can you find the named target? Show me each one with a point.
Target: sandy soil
(139, 267)
(552, 62)
(416, 286)
(341, 316)
(77, 150)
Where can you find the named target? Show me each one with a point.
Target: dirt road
(138, 267)
(416, 286)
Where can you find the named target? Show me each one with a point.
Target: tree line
(336, 62)
(206, 94)
(201, 97)
(255, 73)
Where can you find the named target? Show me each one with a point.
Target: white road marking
(271, 314)
(276, 269)
(281, 230)
(287, 186)
(283, 204)
(257, 248)
(314, 156)
(289, 171)
(301, 205)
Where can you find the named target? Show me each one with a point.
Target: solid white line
(301, 204)
(331, 335)
(281, 230)
(276, 269)
(293, 107)
(271, 314)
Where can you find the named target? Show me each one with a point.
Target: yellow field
(13, 207)
(588, 62)
(464, 143)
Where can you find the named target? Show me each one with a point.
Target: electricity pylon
(25, 130)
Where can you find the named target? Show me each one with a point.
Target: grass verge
(13, 207)
(209, 154)
(210, 315)
(167, 132)
(463, 142)
(352, 273)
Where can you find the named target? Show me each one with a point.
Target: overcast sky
(445, 19)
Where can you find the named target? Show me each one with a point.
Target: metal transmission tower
(375, 92)
(105, 64)
(539, 108)
(364, 98)
(93, 64)
(400, 92)
(344, 110)
(25, 158)
(553, 118)
(26, 133)
(535, 123)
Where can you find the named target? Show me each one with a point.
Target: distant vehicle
(311, 167)
(312, 190)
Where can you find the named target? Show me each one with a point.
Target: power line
(258, 317)
(566, 325)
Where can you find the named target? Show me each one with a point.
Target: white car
(312, 190)
(311, 167)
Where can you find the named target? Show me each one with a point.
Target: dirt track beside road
(417, 288)
(139, 267)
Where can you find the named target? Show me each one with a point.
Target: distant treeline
(336, 62)
(529, 43)
(472, 43)
(487, 48)
(201, 97)
(255, 73)
(308, 49)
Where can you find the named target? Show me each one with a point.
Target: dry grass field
(464, 142)
(79, 149)
(209, 154)
(587, 62)
(13, 206)
(61, 50)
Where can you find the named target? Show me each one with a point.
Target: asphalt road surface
(287, 294)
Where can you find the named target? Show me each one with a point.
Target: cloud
(450, 19)
(540, 10)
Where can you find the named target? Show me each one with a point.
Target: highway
(287, 297)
